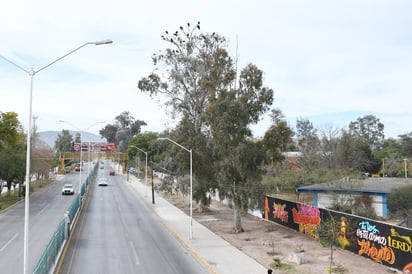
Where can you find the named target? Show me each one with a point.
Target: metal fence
(48, 259)
(53, 250)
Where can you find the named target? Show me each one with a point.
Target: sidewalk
(217, 254)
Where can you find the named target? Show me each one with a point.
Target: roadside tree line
(215, 105)
(13, 153)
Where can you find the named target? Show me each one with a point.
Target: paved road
(118, 233)
(47, 208)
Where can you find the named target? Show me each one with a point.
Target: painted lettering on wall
(370, 233)
(365, 225)
(378, 254)
(266, 208)
(383, 243)
(344, 226)
(308, 219)
(402, 243)
(312, 217)
(280, 213)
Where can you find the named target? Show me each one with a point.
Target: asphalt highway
(118, 233)
(47, 209)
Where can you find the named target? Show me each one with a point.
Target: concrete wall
(326, 200)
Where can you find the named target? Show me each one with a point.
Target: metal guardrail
(48, 259)
(51, 254)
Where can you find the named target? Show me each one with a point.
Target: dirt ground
(268, 242)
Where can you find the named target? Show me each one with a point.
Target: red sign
(106, 147)
(76, 147)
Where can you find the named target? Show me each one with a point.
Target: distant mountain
(49, 137)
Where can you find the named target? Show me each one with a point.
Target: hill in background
(49, 137)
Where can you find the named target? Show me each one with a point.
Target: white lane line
(126, 232)
(136, 258)
(9, 242)
(115, 197)
(42, 210)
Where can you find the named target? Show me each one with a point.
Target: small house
(347, 190)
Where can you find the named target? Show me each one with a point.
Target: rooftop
(368, 185)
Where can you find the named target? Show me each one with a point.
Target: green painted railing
(51, 254)
(47, 260)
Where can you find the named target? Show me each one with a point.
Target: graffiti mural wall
(381, 242)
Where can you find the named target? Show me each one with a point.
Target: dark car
(112, 173)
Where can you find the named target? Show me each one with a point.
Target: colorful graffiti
(280, 213)
(370, 232)
(344, 231)
(383, 243)
(402, 243)
(407, 268)
(378, 254)
(267, 209)
(308, 218)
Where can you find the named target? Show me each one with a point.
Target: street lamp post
(406, 170)
(191, 185)
(32, 73)
(81, 151)
(145, 180)
(89, 146)
(383, 166)
(93, 151)
(118, 161)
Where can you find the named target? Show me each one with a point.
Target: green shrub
(400, 204)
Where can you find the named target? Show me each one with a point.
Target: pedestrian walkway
(217, 254)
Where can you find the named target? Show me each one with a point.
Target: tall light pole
(191, 184)
(81, 150)
(32, 73)
(383, 166)
(406, 170)
(145, 180)
(93, 151)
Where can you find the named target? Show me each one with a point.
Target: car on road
(112, 173)
(68, 189)
(102, 182)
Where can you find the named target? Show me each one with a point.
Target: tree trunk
(201, 207)
(204, 204)
(238, 221)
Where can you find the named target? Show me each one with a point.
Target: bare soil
(275, 246)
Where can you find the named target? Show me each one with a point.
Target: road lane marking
(42, 210)
(179, 236)
(9, 242)
(126, 230)
(134, 253)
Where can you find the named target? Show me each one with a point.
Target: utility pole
(153, 199)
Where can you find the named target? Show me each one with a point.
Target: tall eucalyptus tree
(197, 77)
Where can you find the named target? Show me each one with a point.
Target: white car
(68, 189)
(102, 182)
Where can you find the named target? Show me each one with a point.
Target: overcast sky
(327, 61)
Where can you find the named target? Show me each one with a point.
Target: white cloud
(320, 57)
